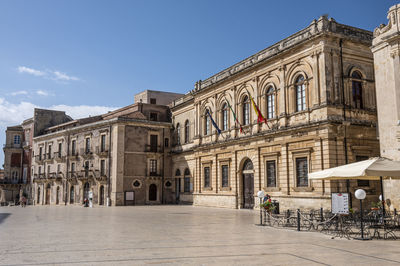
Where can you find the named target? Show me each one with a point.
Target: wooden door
(248, 191)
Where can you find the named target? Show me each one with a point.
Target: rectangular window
(58, 168)
(225, 176)
(86, 168)
(73, 147)
(166, 142)
(59, 149)
(302, 172)
(40, 153)
(48, 169)
(207, 180)
(49, 152)
(103, 143)
(271, 174)
(17, 139)
(87, 146)
(153, 101)
(102, 168)
(362, 183)
(153, 143)
(186, 184)
(40, 170)
(72, 167)
(153, 167)
(153, 116)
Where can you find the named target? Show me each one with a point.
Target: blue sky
(88, 57)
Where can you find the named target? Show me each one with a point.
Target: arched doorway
(248, 185)
(152, 192)
(58, 195)
(38, 196)
(48, 188)
(72, 195)
(86, 189)
(101, 196)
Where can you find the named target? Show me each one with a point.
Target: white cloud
(16, 93)
(42, 93)
(62, 76)
(49, 74)
(23, 69)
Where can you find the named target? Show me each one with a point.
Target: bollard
(322, 214)
(265, 217)
(261, 209)
(298, 219)
(287, 217)
(395, 212)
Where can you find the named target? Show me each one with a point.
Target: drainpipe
(163, 166)
(109, 170)
(66, 184)
(344, 119)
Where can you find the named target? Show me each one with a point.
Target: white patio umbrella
(372, 169)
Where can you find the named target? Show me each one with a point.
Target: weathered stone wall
(386, 50)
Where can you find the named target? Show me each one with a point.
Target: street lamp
(360, 194)
(260, 195)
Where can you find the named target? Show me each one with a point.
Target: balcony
(59, 157)
(74, 156)
(152, 148)
(101, 152)
(48, 158)
(7, 181)
(72, 175)
(12, 146)
(85, 153)
(26, 144)
(39, 159)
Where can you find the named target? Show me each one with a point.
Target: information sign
(340, 203)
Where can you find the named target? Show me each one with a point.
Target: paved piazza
(58, 235)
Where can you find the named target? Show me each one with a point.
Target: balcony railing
(8, 181)
(85, 153)
(101, 152)
(49, 157)
(59, 157)
(40, 158)
(153, 148)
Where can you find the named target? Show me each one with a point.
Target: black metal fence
(375, 225)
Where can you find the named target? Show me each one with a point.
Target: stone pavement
(59, 235)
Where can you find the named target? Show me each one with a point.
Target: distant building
(156, 97)
(119, 158)
(386, 50)
(18, 153)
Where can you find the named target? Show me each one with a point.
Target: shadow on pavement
(4, 216)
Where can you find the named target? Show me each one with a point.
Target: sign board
(90, 194)
(340, 203)
(130, 195)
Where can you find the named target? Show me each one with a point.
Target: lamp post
(260, 195)
(360, 194)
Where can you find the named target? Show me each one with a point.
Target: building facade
(386, 50)
(316, 90)
(119, 158)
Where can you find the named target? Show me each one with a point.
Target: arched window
(300, 94)
(187, 131)
(246, 110)
(270, 103)
(178, 134)
(186, 180)
(178, 172)
(224, 117)
(357, 89)
(207, 123)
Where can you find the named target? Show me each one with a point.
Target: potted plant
(376, 205)
(268, 205)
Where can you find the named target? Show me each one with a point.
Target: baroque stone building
(316, 89)
(120, 158)
(386, 50)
